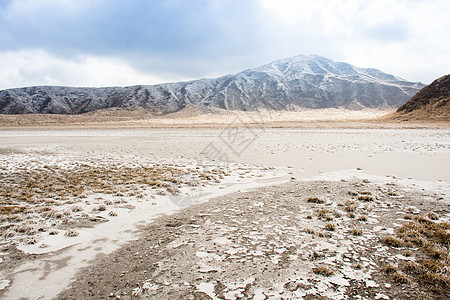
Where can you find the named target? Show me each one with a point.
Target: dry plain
(235, 206)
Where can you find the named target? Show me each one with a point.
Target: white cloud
(406, 38)
(37, 67)
(103, 43)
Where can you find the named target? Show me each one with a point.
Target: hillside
(287, 84)
(430, 103)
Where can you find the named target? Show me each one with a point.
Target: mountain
(430, 103)
(301, 81)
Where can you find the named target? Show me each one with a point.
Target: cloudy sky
(118, 42)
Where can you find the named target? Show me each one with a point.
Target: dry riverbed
(303, 239)
(293, 214)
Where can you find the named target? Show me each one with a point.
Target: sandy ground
(193, 118)
(265, 244)
(258, 244)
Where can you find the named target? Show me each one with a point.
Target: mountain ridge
(303, 81)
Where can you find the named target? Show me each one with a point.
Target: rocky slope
(301, 81)
(432, 102)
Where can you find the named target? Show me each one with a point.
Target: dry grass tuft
(315, 200)
(357, 232)
(323, 212)
(11, 209)
(365, 193)
(432, 216)
(393, 242)
(362, 218)
(400, 277)
(310, 231)
(390, 269)
(430, 243)
(322, 270)
(71, 233)
(330, 227)
(366, 198)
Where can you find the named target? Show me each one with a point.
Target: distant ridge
(298, 82)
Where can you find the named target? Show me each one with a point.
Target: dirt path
(270, 243)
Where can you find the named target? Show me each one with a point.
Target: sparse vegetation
(431, 243)
(315, 200)
(400, 277)
(310, 231)
(432, 216)
(71, 233)
(330, 227)
(322, 270)
(365, 198)
(365, 193)
(362, 218)
(357, 232)
(393, 242)
(390, 269)
(54, 192)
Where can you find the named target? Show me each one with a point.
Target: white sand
(410, 157)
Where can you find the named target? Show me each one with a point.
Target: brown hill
(430, 103)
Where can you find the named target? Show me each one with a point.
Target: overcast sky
(126, 42)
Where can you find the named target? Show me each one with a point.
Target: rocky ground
(299, 240)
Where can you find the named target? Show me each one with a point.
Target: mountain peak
(310, 81)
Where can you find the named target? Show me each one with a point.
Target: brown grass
(357, 232)
(430, 244)
(322, 270)
(330, 227)
(400, 277)
(366, 198)
(12, 209)
(393, 242)
(315, 200)
(41, 188)
(390, 269)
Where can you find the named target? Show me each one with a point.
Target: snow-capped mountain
(301, 81)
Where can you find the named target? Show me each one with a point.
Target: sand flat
(413, 160)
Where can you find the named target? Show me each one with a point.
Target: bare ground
(271, 243)
(192, 117)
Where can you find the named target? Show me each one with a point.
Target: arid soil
(310, 239)
(193, 117)
(343, 212)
